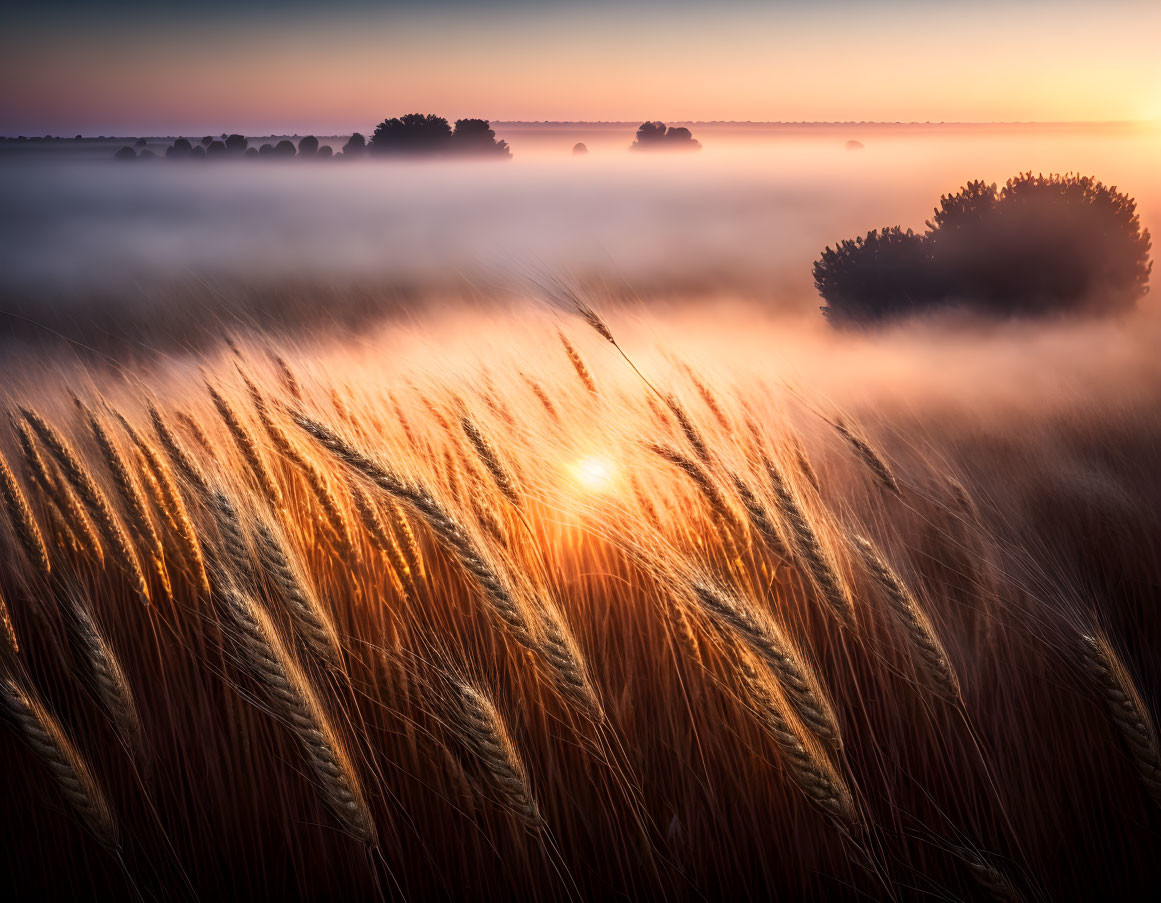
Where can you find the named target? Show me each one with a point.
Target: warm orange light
(593, 473)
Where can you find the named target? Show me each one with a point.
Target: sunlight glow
(593, 473)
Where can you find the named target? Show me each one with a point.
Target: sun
(593, 473)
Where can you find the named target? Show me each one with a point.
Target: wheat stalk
(43, 733)
(94, 499)
(1125, 707)
(313, 623)
(692, 435)
(808, 767)
(294, 697)
(178, 455)
(763, 636)
(491, 460)
(578, 364)
(870, 457)
(501, 599)
(905, 608)
(112, 684)
(809, 549)
(23, 522)
(174, 505)
(702, 480)
(248, 446)
(483, 732)
(9, 629)
(314, 476)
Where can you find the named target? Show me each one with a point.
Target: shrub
(1041, 244)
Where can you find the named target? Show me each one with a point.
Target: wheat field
(567, 623)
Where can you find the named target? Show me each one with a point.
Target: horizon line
(632, 123)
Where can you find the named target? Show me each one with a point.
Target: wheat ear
(500, 598)
(808, 767)
(808, 548)
(23, 522)
(248, 446)
(763, 636)
(312, 621)
(94, 499)
(932, 657)
(578, 364)
(267, 659)
(48, 741)
(484, 733)
(870, 457)
(1127, 710)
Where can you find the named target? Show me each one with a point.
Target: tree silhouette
(881, 276)
(236, 144)
(356, 146)
(125, 153)
(1041, 244)
(655, 136)
(579, 149)
(179, 149)
(476, 137)
(284, 148)
(308, 146)
(414, 133)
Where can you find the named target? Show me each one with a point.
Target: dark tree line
(1039, 245)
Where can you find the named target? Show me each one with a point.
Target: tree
(179, 149)
(414, 133)
(308, 146)
(881, 276)
(236, 144)
(356, 146)
(1040, 245)
(476, 137)
(284, 148)
(655, 136)
(125, 153)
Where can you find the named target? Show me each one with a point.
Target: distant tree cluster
(1039, 245)
(417, 134)
(655, 136)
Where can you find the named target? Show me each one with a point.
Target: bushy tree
(414, 133)
(125, 153)
(655, 136)
(284, 148)
(476, 137)
(1041, 244)
(236, 144)
(883, 275)
(308, 146)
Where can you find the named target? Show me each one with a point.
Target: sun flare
(594, 473)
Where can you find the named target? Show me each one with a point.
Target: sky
(266, 67)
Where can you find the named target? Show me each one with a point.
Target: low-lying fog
(743, 218)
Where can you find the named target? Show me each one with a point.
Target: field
(583, 603)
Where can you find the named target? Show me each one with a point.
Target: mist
(146, 248)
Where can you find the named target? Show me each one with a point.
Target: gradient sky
(259, 66)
